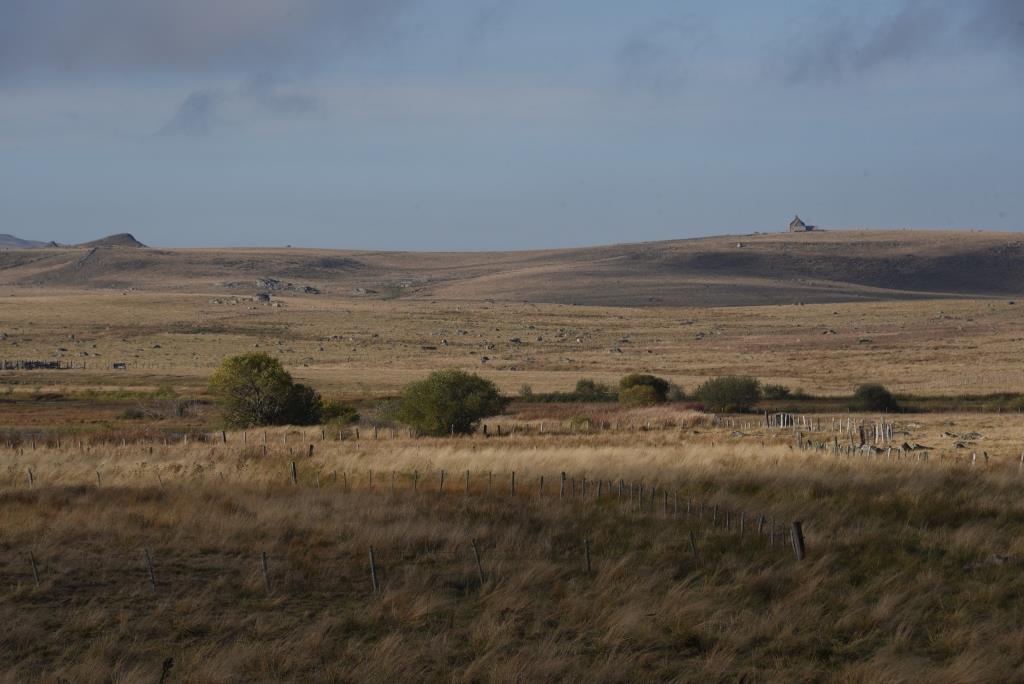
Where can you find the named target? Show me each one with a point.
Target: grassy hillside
(732, 270)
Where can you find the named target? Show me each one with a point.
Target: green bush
(449, 401)
(659, 386)
(730, 393)
(589, 390)
(302, 406)
(873, 397)
(337, 413)
(639, 395)
(776, 392)
(254, 389)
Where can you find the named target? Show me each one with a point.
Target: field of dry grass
(913, 567)
(356, 348)
(913, 562)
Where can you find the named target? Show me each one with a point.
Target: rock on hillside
(116, 240)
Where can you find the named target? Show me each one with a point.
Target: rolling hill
(13, 241)
(828, 266)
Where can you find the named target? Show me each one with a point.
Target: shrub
(873, 397)
(675, 392)
(659, 386)
(449, 401)
(133, 414)
(302, 406)
(526, 392)
(337, 413)
(580, 424)
(775, 392)
(589, 390)
(729, 393)
(254, 389)
(639, 395)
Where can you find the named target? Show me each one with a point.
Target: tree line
(255, 389)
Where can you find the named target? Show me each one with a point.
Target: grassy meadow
(912, 567)
(132, 532)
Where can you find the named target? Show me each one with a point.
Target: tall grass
(913, 569)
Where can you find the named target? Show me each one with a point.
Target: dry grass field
(913, 567)
(353, 348)
(913, 560)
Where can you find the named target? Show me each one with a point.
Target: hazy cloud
(196, 115)
(73, 36)
(657, 57)
(836, 47)
(264, 95)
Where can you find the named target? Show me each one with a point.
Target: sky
(489, 124)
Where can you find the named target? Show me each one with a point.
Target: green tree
(729, 393)
(639, 395)
(255, 389)
(587, 389)
(302, 406)
(449, 401)
(873, 397)
(659, 386)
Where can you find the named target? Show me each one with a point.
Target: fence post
(266, 572)
(373, 573)
(295, 474)
(479, 566)
(798, 540)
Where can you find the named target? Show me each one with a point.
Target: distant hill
(116, 240)
(774, 268)
(18, 243)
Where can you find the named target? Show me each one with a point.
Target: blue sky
(461, 124)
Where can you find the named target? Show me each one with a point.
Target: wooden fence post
(266, 571)
(479, 566)
(373, 573)
(295, 474)
(798, 540)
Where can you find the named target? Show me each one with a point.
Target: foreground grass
(913, 568)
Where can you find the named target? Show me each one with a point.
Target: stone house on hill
(798, 226)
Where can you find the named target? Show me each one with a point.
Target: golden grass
(358, 348)
(913, 567)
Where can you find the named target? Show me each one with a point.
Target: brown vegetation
(912, 567)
